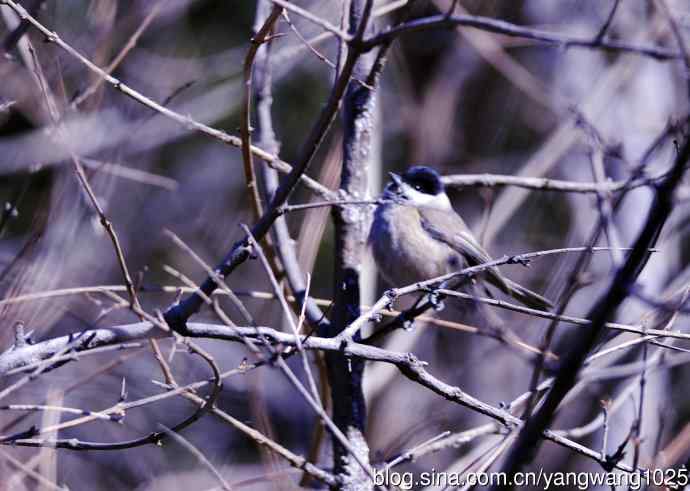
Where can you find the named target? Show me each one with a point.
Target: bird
(416, 235)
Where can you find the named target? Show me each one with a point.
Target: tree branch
(407, 363)
(529, 441)
(344, 374)
(513, 30)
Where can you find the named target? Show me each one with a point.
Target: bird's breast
(404, 252)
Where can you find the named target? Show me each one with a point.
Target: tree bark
(345, 374)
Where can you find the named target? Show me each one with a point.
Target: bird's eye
(418, 187)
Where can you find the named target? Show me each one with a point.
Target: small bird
(416, 235)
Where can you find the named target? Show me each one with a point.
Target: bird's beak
(396, 179)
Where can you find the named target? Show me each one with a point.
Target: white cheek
(439, 201)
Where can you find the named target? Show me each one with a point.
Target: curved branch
(411, 367)
(257, 40)
(24, 438)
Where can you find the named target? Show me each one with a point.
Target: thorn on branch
(267, 39)
(123, 390)
(178, 296)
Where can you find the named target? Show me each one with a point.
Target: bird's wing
(450, 228)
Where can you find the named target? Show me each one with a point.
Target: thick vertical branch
(345, 374)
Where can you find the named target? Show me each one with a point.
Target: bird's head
(419, 186)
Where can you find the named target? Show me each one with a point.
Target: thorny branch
(407, 363)
(354, 88)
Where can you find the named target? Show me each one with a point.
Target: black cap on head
(424, 179)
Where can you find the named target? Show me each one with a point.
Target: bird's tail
(527, 297)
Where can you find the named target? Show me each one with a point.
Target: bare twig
(26, 438)
(679, 40)
(513, 30)
(607, 305)
(546, 184)
(31, 473)
(433, 283)
(284, 246)
(288, 315)
(407, 363)
(315, 19)
(609, 19)
(126, 49)
(257, 40)
(177, 315)
(183, 120)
